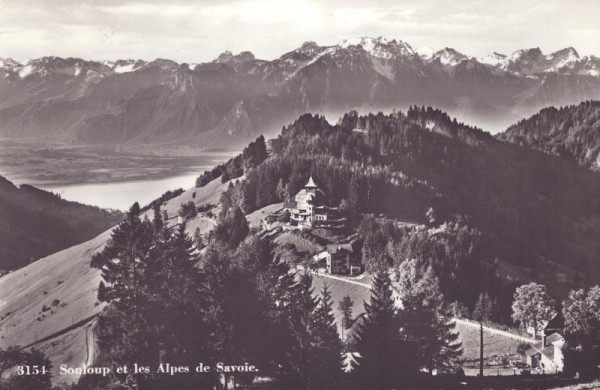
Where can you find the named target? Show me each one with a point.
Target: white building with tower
(306, 208)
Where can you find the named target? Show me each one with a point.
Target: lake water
(121, 195)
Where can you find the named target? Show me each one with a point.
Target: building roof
(554, 337)
(532, 351)
(311, 183)
(337, 248)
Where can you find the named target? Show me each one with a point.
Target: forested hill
(35, 223)
(539, 211)
(572, 132)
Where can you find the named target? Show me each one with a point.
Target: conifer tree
(122, 260)
(327, 359)
(261, 149)
(354, 200)
(345, 307)
(384, 358)
(299, 351)
(250, 294)
(123, 331)
(426, 319)
(157, 220)
(233, 228)
(176, 307)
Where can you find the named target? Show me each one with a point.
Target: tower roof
(311, 183)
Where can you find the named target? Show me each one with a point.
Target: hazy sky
(197, 31)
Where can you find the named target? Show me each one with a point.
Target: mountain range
(227, 102)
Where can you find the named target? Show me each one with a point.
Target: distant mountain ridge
(35, 223)
(160, 102)
(571, 131)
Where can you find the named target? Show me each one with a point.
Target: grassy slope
(67, 276)
(255, 218)
(495, 345)
(340, 289)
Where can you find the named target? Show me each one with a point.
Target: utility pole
(481, 349)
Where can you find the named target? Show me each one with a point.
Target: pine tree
(327, 359)
(123, 259)
(261, 150)
(232, 228)
(354, 200)
(384, 358)
(198, 239)
(250, 295)
(124, 334)
(426, 319)
(299, 348)
(282, 191)
(157, 221)
(238, 229)
(176, 306)
(345, 307)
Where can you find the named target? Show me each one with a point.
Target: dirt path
(90, 341)
(62, 331)
(329, 276)
(499, 332)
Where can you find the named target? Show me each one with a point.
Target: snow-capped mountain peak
(494, 59)
(426, 52)
(9, 64)
(126, 66)
(230, 59)
(379, 47)
(526, 55)
(449, 57)
(562, 58)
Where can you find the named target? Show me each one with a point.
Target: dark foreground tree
(123, 332)
(232, 228)
(252, 298)
(24, 370)
(326, 372)
(426, 319)
(385, 359)
(156, 307)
